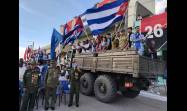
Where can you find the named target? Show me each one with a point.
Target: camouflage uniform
(30, 84)
(51, 83)
(123, 42)
(75, 85)
(115, 42)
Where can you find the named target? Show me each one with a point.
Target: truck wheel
(105, 88)
(130, 93)
(86, 84)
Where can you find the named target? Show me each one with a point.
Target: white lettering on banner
(149, 29)
(157, 31)
(157, 28)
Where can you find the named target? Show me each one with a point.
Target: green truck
(106, 73)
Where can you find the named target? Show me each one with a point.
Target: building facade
(144, 8)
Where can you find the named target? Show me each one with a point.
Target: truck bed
(123, 62)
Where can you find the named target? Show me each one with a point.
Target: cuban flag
(104, 14)
(72, 30)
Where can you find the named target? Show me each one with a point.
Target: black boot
(69, 105)
(46, 108)
(77, 105)
(53, 108)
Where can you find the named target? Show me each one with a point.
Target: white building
(144, 8)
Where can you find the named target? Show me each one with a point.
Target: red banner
(153, 22)
(155, 28)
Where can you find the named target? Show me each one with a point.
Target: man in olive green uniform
(74, 84)
(51, 83)
(115, 40)
(123, 40)
(30, 84)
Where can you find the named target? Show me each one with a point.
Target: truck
(104, 74)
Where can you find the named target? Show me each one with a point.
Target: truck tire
(105, 88)
(130, 93)
(86, 84)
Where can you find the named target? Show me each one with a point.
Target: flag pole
(126, 23)
(33, 45)
(124, 16)
(120, 23)
(86, 33)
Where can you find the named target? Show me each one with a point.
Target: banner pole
(124, 17)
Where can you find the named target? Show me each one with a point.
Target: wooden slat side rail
(120, 62)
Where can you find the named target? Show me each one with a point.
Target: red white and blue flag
(27, 54)
(104, 14)
(72, 30)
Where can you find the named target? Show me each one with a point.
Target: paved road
(121, 103)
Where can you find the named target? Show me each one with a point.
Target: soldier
(30, 84)
(75, 84)
(123, 40)
(115, 40)
(51, 83)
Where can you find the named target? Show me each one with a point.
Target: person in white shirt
(40, 66)
(86, 46)
(22, 68)
(78, 48)
(64, 74)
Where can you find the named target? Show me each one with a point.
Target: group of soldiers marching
(31, 81)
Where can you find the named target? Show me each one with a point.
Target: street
(90, 103)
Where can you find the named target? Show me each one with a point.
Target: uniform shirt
(52, 78)
(115, 43)
(31, 80)
(123, 41)
(74, 75)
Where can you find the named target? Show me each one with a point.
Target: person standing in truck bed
(109, 41)
(123, 40)
(115, 40)
(137, 40)
(129, 34)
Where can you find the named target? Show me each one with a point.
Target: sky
(37, 18)
(160, 6)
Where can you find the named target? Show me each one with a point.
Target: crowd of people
(40, 55)
(46, 76)
(41, 74)
(117, 40)
(101, 43)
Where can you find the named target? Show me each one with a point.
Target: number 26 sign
(154, 26)
(157, 31)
